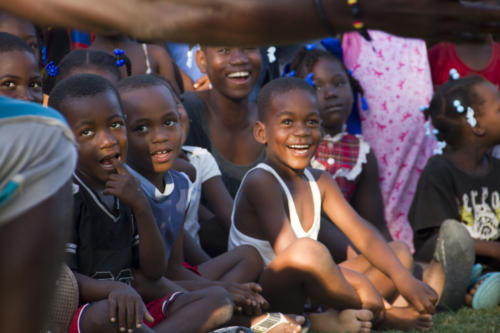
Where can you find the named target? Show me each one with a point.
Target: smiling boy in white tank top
(277, 211)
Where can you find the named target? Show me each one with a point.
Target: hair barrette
(454, 75)
(458, 105)
(333, 46)
(438, 150)
(439, 147)
(364, 103)
(51, 69)
(271, 54)
(471, 119)
(309, 79)
(119, 57)
(427, 126)
(310, 47)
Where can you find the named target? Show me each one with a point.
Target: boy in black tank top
(115, 237)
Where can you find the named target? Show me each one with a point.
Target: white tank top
(146, 55)
(237, 238)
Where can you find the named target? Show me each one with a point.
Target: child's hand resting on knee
(417, 293)
(247, 297)
(127, 308)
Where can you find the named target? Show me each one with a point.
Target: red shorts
(157, 309)
(192, 268)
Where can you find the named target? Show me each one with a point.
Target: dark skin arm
(194, 254)
(262, 214)
(125, 303)
(245, 296)
(228, 22)
(367, 199)
(152, 258)
(219, 200)
(372, 245)
(28, 277)
(489, 249)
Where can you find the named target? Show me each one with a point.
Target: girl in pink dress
(395, 75)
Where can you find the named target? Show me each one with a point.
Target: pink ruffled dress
(395, 75)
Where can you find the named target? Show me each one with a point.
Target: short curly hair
(280, 86)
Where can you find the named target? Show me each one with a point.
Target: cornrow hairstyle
(443, 113)
(10, 43)
(277, 87)
(80, 86)
(304, 60)
(82, 58)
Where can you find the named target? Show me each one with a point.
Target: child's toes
(364, 315)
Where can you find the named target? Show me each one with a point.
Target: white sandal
(272, 320)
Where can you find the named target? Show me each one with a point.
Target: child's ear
(478, 130)
(201, 61)
(259, 132)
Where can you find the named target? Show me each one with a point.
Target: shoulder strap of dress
(146, 55)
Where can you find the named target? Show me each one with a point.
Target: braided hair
(82, 58)
(442, 111)
(304, 61)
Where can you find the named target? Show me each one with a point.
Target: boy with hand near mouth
(114, 234)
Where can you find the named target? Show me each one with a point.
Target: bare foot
(406, 319)
(470, 294)
(346, 321)
(285, 322)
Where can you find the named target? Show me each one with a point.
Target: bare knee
(403, 253)
(222, 302)
(306, 253)
(250, 255)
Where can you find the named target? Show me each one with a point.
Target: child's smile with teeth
(293, 131)
(300, 149)
(161, 156)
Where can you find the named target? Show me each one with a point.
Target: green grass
(465, 320)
